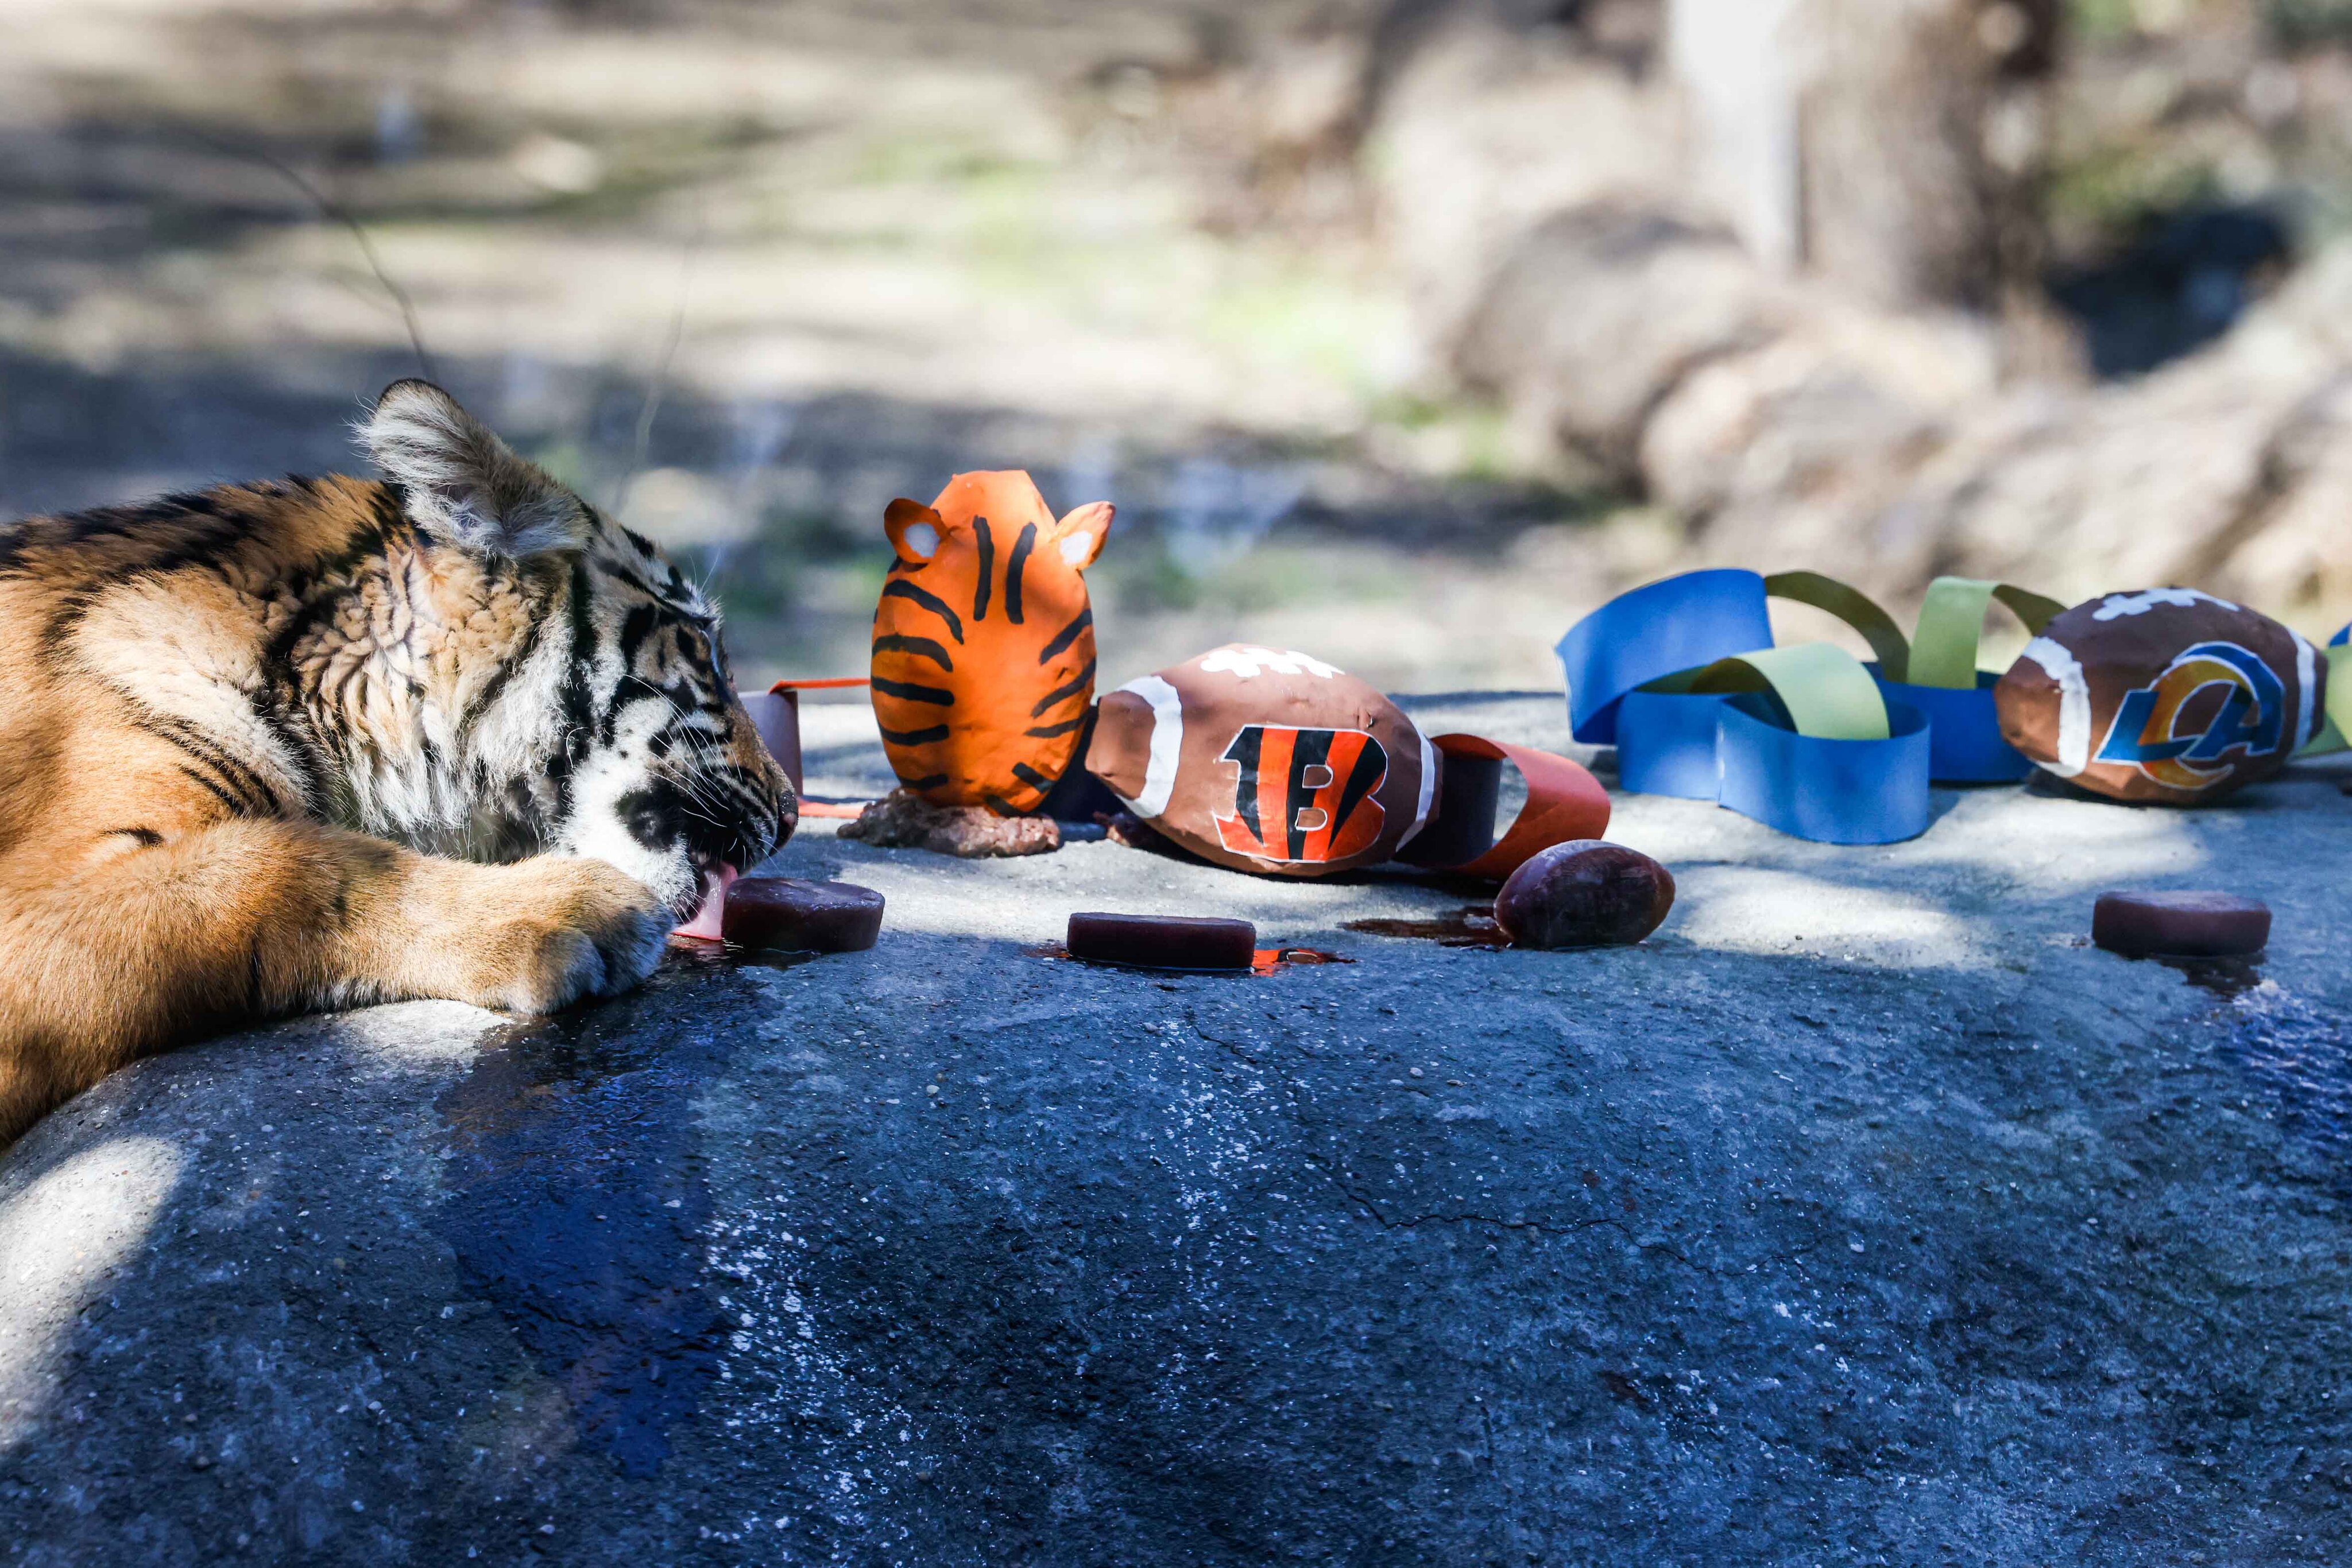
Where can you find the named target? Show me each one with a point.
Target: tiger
(306, 744)
(983, 653)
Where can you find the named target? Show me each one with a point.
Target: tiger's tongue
(708, 919)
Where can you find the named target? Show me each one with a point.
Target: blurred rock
(2231, 469)
(1561, 265)
(678, 508)
(1481, 132)
(1918, 144)
(1597, 315)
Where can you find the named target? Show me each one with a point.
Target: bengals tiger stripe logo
(1303, 796)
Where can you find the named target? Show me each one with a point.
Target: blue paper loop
(1652, 631)
(1742, 750)
(1964, 741)
(1665, 744)
(1831, 791)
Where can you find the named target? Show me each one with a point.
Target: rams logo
(1304, 795)
(2151, 728)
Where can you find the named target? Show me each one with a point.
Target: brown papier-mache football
(1266, 760)
(2168, 695)
(1584, 894)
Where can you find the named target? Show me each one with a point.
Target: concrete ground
(1865, 1214)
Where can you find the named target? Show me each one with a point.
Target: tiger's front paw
(557, 930)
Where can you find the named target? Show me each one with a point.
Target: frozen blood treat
(783, 914)
(1162, 941)
(2146, 925)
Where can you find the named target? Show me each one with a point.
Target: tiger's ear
(465, 486)
(1078, 537)
(915, 530)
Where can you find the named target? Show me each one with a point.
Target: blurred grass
(2111, 190)
(2101, 21)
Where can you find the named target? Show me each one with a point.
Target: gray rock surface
(1863, 1215)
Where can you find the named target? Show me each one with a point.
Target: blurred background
(1399, 331)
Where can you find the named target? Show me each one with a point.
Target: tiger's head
(585, 705)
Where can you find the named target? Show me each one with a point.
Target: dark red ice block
(786, 914)
(2179, 925)
(1162, 941)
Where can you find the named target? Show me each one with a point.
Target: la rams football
(2165, 694)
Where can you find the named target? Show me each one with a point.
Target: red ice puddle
(1262, 960)
(1266, 960)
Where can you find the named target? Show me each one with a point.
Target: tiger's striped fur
(286, 745)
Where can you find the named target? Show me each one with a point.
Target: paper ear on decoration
(1078, 537)
(915, 530)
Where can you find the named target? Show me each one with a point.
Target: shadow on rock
(576, 1203)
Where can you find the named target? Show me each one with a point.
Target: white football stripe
(1428, 791)
(1167, 743)
(2306, 674)
(2116, 604)
(2073, 705)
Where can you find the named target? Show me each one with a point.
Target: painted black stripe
(1067, 635)
(1030, 776)
(927, 781)
(1084, 681)
(987, 568)
(1247, 752)
(1001, 806)
(1014, 564)
(914, 694)
(922, 647)
(1371, 766)
(930, 602)
(916, 736)
(1308, 748)
(1047, 731)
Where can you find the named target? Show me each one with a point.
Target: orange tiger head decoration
(984, 642)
